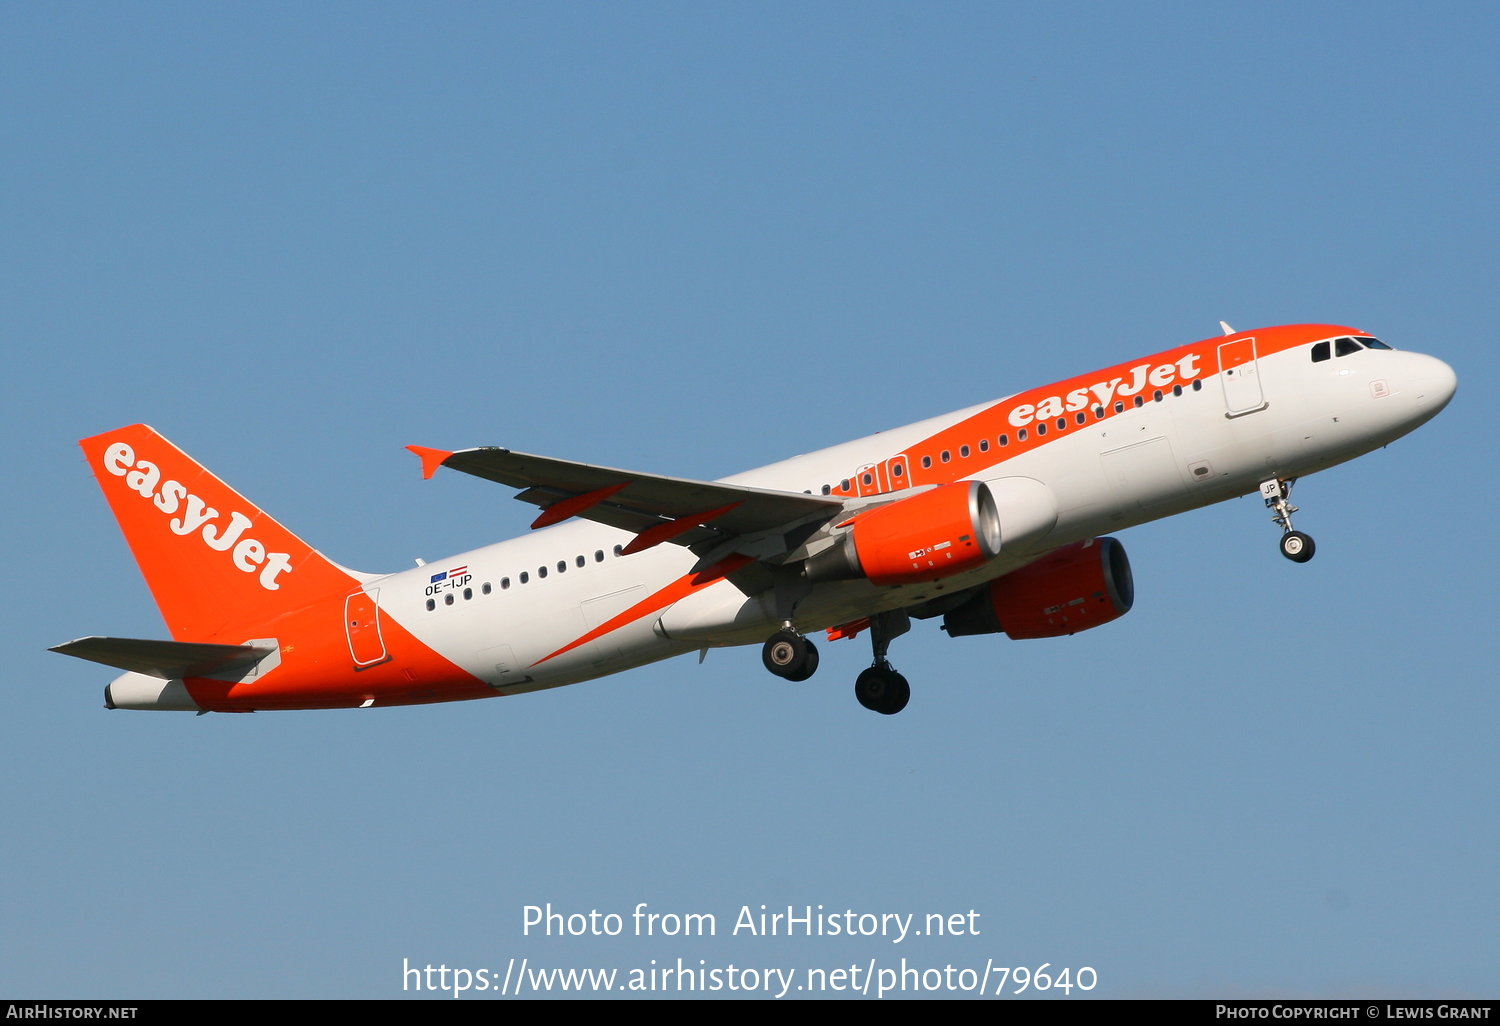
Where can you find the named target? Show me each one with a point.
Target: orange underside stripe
(678, 589)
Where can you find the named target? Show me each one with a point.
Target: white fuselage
(1171, 454)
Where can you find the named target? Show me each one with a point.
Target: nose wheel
(1295, 545)
(789, 655)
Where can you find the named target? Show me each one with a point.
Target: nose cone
(1432, 384)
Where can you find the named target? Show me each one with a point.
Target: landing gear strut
(1295, 545)
(880, 688)
(789, 655)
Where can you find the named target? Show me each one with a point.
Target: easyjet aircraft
(988, 517)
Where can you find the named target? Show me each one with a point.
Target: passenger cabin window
(945, 455)
(1004, 440)
(1345, 347)
(1020, 435)
(580, 561)
(541, 571)
(984, 445)
(1119, 407)
(525, 577)
(1041, 428)
(1197, 386)
(504, 583)
(1372, 343)
(926, 462)
(1079, 416)
(485, 587)
(468, 594)
(897, 470)
(431, 605)
(598, 555)
(963, 450)
(867, 479)
(618, 548)
(448, 599)
(827, 489)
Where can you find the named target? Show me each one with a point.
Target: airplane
(991, 517)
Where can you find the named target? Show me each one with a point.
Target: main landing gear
(880, 688)
(1295, 545)
(789, 655)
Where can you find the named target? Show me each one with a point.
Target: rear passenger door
(362, 628)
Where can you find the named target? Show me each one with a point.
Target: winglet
(431, 459)
(560, 511)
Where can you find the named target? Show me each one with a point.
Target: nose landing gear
(879, 687)
(1295, 545)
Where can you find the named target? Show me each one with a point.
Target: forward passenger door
(1239, 371)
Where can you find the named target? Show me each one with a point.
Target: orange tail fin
(217, 566)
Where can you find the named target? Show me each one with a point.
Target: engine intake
(926, 537)
(1077, 587)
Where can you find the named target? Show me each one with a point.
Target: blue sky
(693, 239)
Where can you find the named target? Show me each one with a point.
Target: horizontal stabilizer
(169, 660)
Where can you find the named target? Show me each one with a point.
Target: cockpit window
(1372, 343)
(1345, 347)
(1320, 352)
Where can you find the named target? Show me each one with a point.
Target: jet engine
(926, 537)
(1077, 587)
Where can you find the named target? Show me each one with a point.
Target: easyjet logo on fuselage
(246, 554)
(1159, 376)
(916, 464)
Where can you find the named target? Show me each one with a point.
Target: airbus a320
(994, 518)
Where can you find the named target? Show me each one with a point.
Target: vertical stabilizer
(219, 568)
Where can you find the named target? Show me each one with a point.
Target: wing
(169, 660)
(704, 515)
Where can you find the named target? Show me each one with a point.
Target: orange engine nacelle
(924, 538)
(1064, 592)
